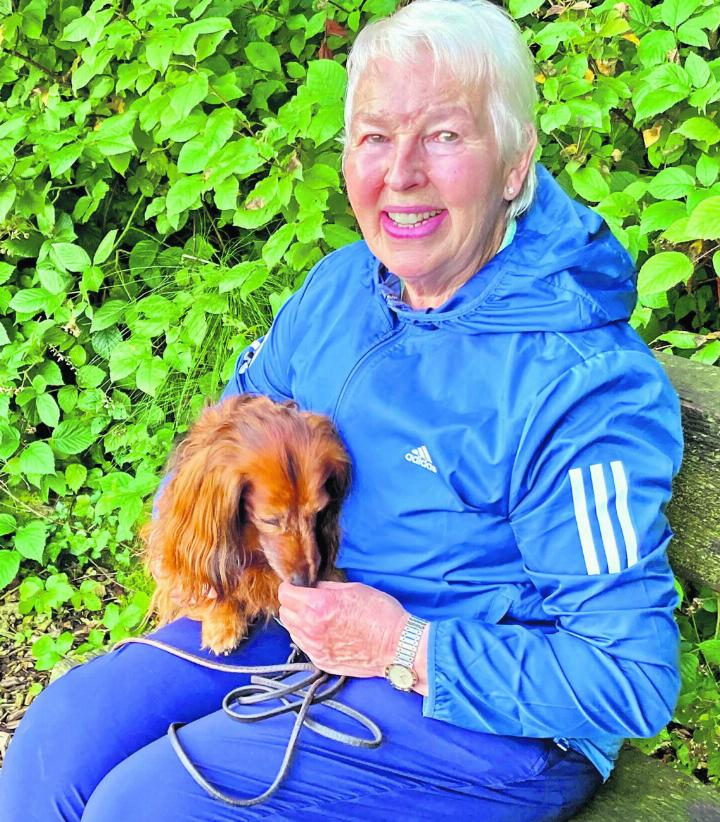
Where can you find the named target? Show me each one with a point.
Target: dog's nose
(301, 578)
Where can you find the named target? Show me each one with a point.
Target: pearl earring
(510, 191)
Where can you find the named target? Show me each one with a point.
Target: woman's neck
(418, 294)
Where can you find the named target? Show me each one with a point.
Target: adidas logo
(421, 456)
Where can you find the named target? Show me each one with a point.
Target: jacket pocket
(499, 604)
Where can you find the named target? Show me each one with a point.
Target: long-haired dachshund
(253, 498)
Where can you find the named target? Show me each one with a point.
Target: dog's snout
(301, 578)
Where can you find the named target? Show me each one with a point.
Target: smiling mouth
(412, 218)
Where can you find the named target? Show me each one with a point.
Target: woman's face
(424, 176)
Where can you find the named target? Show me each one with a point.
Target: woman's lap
(110, 748)
(99, 713)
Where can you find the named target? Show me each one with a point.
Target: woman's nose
(406, 167)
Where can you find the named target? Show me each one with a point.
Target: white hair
(479, 45)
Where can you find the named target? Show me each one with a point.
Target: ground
(18, 675)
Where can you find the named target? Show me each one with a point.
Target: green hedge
(169, 170)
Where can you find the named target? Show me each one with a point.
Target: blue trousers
(93, 746)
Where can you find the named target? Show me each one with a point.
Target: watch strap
(409, 642)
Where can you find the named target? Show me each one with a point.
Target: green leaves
(151, 375)
(674, 12)
(37, 458)
(659, 90)
(701, 129)
(277, 245)
(704, 221)
(663, 271)
(196, 154)
(192, 90)
(184, 194)
(104, 250)
(48, 650)
(184, 41)
(69, 257)
(263, 56)
(108, 314)
(72, 436)
(671, 184)
(8, 191)
(9, 566)
(30, 540)
(590, 184)
(30, 300)
(521, 8)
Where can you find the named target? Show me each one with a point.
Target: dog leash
(263, 688)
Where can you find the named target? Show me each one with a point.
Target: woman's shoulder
(355, 258)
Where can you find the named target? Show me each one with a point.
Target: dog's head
(254, 483)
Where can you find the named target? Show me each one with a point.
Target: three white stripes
(607, 534)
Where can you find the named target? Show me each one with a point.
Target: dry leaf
(606, 67)
(589, 76)
(255, 204)
(633, 38)
(652, 135)
(333, 27)
(324, 52)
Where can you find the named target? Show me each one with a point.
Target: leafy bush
(167, 176)
(628, 119)
(169, 169)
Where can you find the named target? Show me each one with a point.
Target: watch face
(401, 677)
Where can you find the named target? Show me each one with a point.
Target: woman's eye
(274, 522)
(374, 138)
(446, 136)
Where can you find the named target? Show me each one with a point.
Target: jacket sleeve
(264, 367)
(589, 485)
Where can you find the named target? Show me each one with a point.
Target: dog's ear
(196, 536)
(336, 468)
(327, 522)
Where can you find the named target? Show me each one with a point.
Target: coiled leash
(263, 688)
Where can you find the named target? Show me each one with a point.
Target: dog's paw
(220, 638)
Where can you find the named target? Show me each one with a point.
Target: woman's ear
(518, 169)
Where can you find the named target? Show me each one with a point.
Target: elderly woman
(509, 615)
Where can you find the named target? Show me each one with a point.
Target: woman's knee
(151, 785)
(55, 758)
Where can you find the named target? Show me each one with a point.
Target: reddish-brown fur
(253, 499)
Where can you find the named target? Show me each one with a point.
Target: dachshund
(253, 498)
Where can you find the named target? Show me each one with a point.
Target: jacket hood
(564, 271)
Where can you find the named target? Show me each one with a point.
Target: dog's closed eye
(274, 522)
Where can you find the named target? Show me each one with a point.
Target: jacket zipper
(393, 335)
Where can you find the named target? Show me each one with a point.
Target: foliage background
(169, 169)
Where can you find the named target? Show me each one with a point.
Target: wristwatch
(400, 672)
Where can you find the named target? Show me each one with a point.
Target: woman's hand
(345, 628)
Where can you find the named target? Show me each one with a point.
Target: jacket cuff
(429, 701)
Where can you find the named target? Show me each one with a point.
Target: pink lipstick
(407, 230)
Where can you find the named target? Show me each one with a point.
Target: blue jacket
(513, 452)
